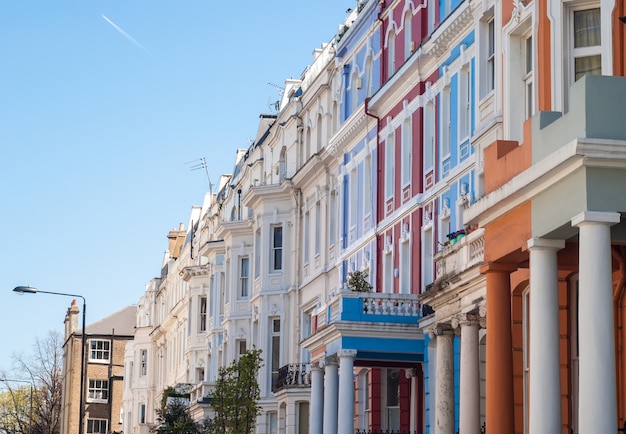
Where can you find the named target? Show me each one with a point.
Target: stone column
(410, 374)
(345, 423)
(499, 381)
(545, 384)
(469, 382)
(317, 399)
(597, 405)
(444, 396)
(331, 384)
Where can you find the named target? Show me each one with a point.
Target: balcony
(293, 375)
(382, 328)
(371, 307)
(201, 393)
(455, 259)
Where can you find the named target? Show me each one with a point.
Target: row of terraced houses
(470, 157)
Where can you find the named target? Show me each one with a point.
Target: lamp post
(30, 410)
(81, 414)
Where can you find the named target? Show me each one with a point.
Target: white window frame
(427, 255)
(318, 229)
(306, 235)
(354, 196)
(202, 313)
(275, 347)
(244, 276)
(277, 248)
(576, 53)
(332, 218)
(102, 349)
(98, 390)
(528, 78)
(445, 123)
(465, 101)
(367, 187)
(142, 412)
(391, 53)
(390, 152)
(429, 136)
(405, 266)
(408, 31)
(406, 152)
(490, 67)
(143, 362)
(241, 346)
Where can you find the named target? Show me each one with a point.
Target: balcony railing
(459, 257)
(201, 392)
(371, 307)
(292, 375)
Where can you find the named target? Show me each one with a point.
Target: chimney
(176, 240)
(71, 319)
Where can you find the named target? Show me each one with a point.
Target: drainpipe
(239, 204)
(378, 166)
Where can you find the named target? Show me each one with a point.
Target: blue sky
(102, 104)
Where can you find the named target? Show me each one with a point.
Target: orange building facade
(554, 267)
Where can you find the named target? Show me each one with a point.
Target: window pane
(587, 28)
(587, 65)
(529, 55)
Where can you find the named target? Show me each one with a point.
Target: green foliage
(236, 395)
(357, 281)
(174, 417)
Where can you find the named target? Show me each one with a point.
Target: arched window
(391, 53)
(408, 34)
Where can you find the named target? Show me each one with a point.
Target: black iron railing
(292, 375)
(383, 431)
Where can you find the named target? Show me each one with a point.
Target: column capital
(327, 361)
(441, 330)
(465, 319)
(609, 218)
(544, 243)
(316, 366)
(346, 353)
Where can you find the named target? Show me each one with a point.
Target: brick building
(105, 345)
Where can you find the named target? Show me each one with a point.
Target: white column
(444, 396)
(469, 381)
(331, 384)
(317, 399)
(345, 422)
(410, 374)
(545, 384)
(597, 406)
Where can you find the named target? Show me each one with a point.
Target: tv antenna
(198, 164)
(280, 89)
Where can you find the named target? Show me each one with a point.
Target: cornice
(349, 133)
(453, 27)
(193, 271)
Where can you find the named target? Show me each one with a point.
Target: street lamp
(30, 416)
(81, 414)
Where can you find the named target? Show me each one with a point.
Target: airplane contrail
(126, 35)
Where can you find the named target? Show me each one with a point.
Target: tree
(357, 281)
(236, 395)
(174, 417)
(43, 370)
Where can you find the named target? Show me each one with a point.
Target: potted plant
(357, 281)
